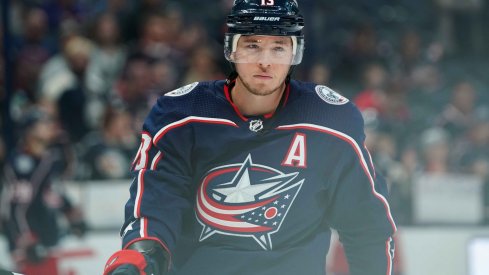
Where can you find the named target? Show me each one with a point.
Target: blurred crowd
(416, 69)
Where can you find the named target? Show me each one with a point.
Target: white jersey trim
(358, 151)
(191, 119)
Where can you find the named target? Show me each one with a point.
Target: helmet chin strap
(289, 74)
(232, 75)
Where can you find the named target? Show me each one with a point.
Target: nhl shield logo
(256, 125)
(245, 200)
(330, 96)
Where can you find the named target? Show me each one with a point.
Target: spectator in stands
(34, 199)
(175, 26)
(395, 113)
(458, 115)
(137, 16)
(72, 100)
(360, 50)
(471, 153)
(435, 148)
(107, 57)
(417, 62)
(195, 35)
(60, 11)
(372, 96)
(34, 48)
(415, 58)
(35, 31)
(155, 40)
(203, 65)
(119, 8)
(411, 51)
(105, 65)
(107, 153)
(164, 78)
(426, 95)
(134, 84)
(402, 177)
(385, 97)
(65, 69)
(319, 72)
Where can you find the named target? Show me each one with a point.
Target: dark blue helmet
(265, 17)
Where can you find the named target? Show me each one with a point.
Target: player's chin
(263, 83)
(264, 90)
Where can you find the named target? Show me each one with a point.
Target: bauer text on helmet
(250, 19)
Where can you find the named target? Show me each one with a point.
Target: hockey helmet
(264, 17)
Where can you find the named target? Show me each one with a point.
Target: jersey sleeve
(160, 192)
(359, 209)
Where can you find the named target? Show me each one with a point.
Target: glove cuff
(122, 257)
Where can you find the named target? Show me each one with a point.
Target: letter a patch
(296, 155)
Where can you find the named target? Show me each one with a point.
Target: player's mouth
(262, 76)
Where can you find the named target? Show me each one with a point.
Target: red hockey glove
(127, 262)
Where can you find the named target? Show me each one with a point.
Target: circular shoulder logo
(183, 90)
(330, 96)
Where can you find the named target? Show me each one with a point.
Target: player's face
(263, 62)
(43, 131)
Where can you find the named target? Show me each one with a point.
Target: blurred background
(77, 78)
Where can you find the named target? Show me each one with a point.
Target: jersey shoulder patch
(182, 90)
(330, 96)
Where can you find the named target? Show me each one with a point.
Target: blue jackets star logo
(245, 200)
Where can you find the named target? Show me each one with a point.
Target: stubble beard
(258, 91)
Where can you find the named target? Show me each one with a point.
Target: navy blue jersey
(230, 194)
(31, 202)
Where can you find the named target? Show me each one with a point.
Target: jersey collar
(227, 92)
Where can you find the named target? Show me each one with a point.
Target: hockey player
(32, 202)
(249, 175)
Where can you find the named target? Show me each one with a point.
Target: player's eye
(252, 46)
(279, 49)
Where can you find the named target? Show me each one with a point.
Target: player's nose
(265, 60)
(264, 63)
(264, 66)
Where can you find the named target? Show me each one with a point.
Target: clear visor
(264, 49)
